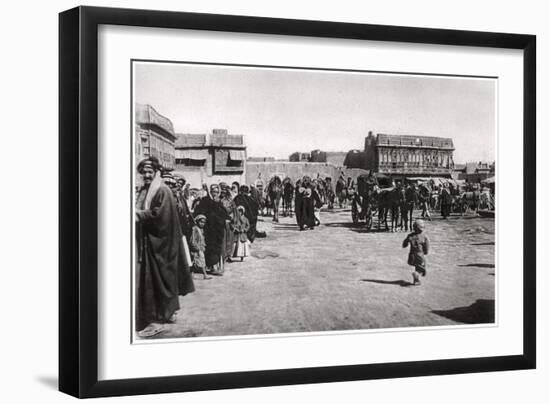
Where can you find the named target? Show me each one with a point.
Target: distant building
(319, 156)
(260, 159)
(154, 136)
(335, 158)
(298, 156)
(210, 158)
(475, 171)
(406, 156)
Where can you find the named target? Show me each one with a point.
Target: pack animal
(274, 193)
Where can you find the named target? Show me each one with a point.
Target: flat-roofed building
(210, 158)
(474, 171)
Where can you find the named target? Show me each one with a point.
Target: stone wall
(296, 170)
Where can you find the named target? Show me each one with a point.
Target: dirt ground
(341, 277)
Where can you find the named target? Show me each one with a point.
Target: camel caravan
(374, 198)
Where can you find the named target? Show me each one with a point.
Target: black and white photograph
(271, 200)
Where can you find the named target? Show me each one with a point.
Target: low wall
(296, 170)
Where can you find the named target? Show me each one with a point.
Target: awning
(191, 154)
(236, 155)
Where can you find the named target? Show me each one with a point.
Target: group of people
(307, 204)
(174, 239)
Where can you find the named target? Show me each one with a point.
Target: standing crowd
(179, 233)
(177, 236)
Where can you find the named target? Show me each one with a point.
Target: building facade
(476, 171)
(404, 156)
(154, 136)
(210, 158)
(298, 156)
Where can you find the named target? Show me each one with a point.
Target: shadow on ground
(399, 282)
(478, 265)
(292, 227)
(359, 228)
(262, 254)
(489, 243)
(339, 224)
(480, 312)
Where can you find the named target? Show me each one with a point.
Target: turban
(149, 162)
(200, 217)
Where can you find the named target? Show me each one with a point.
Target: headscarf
(239, 220)
(153, 189)
(154, 164)
(149, 162)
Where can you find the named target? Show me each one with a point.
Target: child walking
(420, 245)
(197, 245)
(240, 227)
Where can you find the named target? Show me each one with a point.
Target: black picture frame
(78, 195)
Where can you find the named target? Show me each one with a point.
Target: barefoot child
(197, 245)
(419, 247)
(240, 227)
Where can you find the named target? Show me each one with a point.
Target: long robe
(446, 201)
(162, 273)
(214, 229)
(184, 214)
(229, 237)
(298, 197)
(307, 215)
(250, 211)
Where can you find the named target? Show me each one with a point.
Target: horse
(321, 188)
(341, 191)
(288, 194)
(363, 203)
(274, 192)
(469, 200)
(389, 200)
(486, 200)
(411, 199)
(330, 195)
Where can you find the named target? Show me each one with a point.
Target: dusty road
(340, 277)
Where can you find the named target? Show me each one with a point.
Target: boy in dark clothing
(420, 245)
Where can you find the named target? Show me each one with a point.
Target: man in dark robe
(257, 196)
(161, 271)
(251, 207)
(214, 230)
(446, 201)
(298, 202)
(307, 216)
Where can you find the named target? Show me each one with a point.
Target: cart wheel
(369, 220)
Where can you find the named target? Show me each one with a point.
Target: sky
(280, 111)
